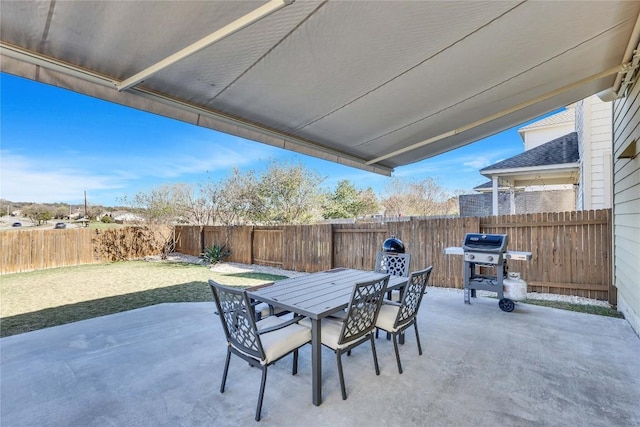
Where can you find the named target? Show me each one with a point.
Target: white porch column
(495, 195)
(512, 200)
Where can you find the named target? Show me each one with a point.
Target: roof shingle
(558, 151)
(567, 116)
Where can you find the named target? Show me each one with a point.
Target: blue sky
(56, 144)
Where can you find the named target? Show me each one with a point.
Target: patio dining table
(318, 295)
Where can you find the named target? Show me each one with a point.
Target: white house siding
(626, 206)
(593, 123)
(535, 137)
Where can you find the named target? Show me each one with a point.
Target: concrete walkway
(162, 365)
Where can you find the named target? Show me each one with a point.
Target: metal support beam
(237, 25)
(609, 72)
(52, 64)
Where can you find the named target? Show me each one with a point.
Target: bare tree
(190, 208)
(160, 209)
(93, 211)
(233, 200)
(61, 211)
(284, 193)
(419, 198)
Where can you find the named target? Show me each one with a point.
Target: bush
(215, 254)
(107, 219)
(122, 244)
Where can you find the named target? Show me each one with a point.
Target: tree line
(286, 193)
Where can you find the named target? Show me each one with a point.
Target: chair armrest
(290, 322)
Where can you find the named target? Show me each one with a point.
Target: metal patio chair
(358, 325)
(261, 343)
(396, 264)
(395, 318)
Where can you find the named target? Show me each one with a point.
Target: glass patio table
(317, 296)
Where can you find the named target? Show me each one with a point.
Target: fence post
(251, 245)
(202, 239)
(331, 241)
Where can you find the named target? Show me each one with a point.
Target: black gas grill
(486, 250)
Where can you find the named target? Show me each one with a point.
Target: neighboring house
(594, 120)
(128, 217)
(549, 128)
(122, 217)
(563, 168)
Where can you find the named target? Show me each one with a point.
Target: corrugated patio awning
(370, 84)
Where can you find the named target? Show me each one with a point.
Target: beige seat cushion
(282, 341)
(268, 322)
(387, 317)
(330, 333)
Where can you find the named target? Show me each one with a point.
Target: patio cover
(370, 84)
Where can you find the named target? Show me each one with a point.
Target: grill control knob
(490, 258)
(472, 256)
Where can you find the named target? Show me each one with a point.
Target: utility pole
(85, 209)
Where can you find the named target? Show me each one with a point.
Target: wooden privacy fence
(571, 250)
(38, 249)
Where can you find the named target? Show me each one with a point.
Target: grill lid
(393, 244)
(485, 242)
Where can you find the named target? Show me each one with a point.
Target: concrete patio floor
(162, 365)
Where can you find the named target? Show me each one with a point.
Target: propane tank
(514, 287)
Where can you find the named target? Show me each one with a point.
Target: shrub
(215, 254)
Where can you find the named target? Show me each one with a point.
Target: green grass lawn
(46, 298)
(580, 308)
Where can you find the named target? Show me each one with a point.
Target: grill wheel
(506, 305)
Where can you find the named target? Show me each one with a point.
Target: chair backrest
(363, 309)
(236, 314)
(394, 264)
(412, 297)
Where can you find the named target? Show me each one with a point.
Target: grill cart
(490, 250)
